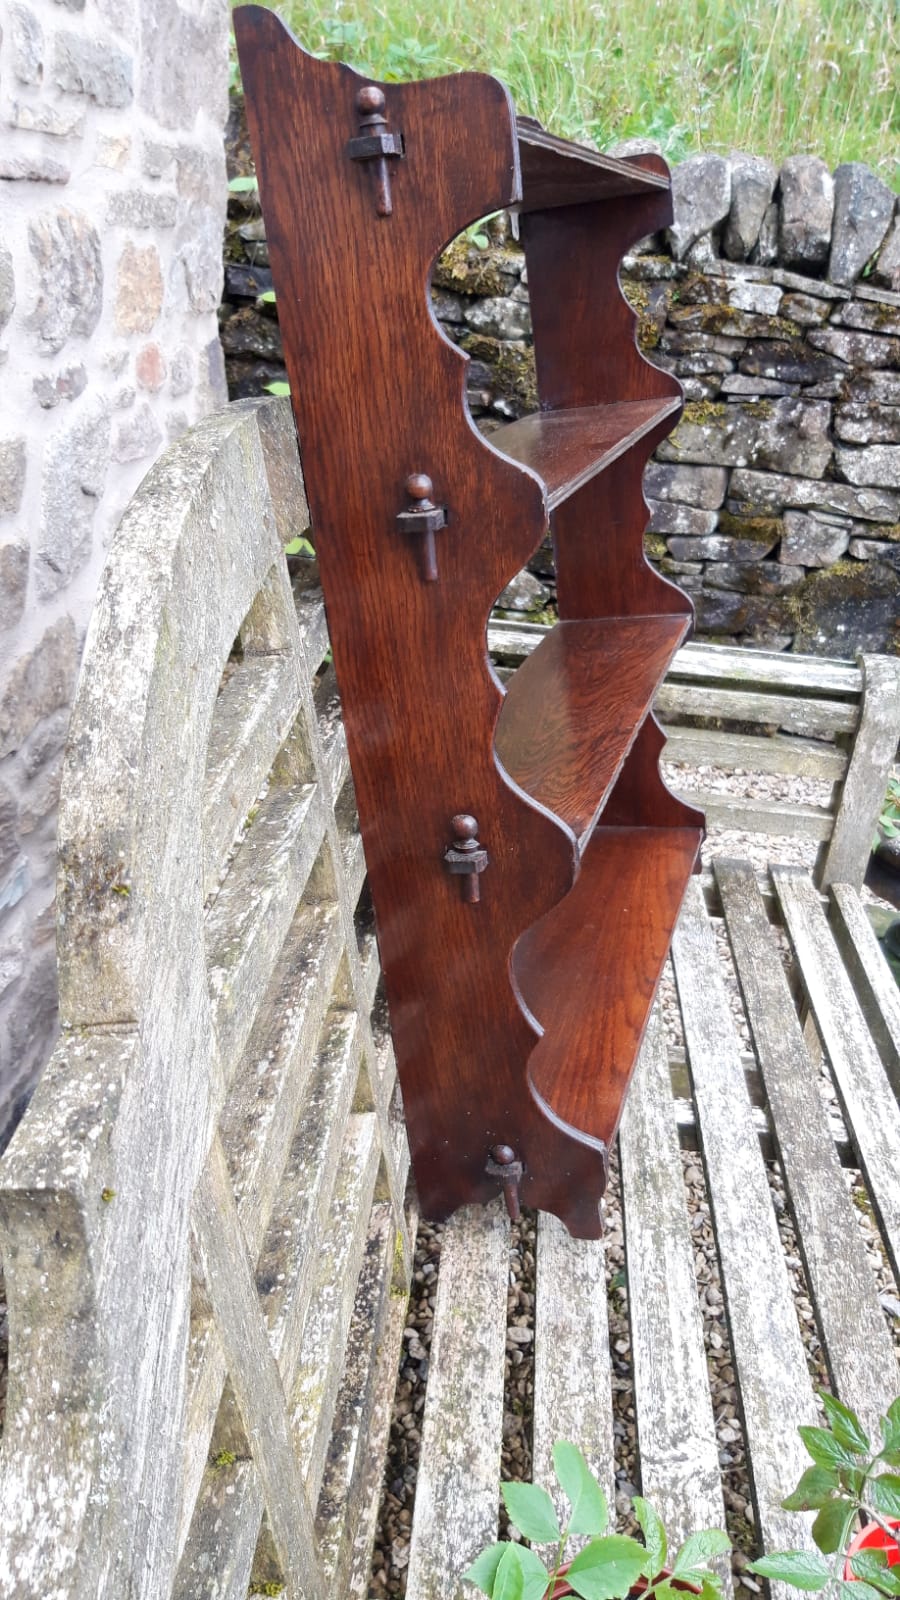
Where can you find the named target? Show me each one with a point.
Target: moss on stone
(762, 529)
(705, 413)
(655, 546)
(467, 270)
(513, 374)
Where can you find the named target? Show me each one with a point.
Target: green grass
(771, 76)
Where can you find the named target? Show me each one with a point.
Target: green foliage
(889, 820)
(609, 1565)
(277, 388)
(772, 76)
(243, 186)
(846, 1479)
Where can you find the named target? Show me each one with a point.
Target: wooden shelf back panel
(556, 172)
(575, 706)
(590, 968)
(568, 448)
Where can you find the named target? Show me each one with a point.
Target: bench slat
(333, 739)
(806, 714)
(870, 1107)
(780, 753)
(676, 1432)
(572, 1375)
(457, 1493)
(760, 816)
(768, 1354)
(876, 988)
(736, 664)
(862, 796)
(857, 1344)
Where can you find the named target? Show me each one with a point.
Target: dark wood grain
(378, 394)
(556, 172)
(574, 707)
(568, 448)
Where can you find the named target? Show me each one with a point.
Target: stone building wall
(112, 193)
(775, 298)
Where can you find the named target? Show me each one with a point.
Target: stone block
(447, 307)
(41, 682)
(887, 268)
(701, 197)
(867, 424)
(9, 840)
(26, 40)
(95, 68)
(248, 332)
(666, 516)
(499, 318)
(811, 543)
(752, 186)
(770, 491)
(139, 437)
(747, 295)
(781, 435)
(139, 289)
(40, 799)
(76, 460)
(753, 577)
(857, 349)
(805, 309)
(136, 208)
(703, 487)
(788, 363)
(13, 581)
(198, 248)
(525, 593)
(65, 246)
(722, 611)
(721, 547)
(150, 368)
(17, 167)
(856, 607)
(877, 465)
(44, 743)
(113, 150)
(7, 287)
(738, 383)
(182, 52)
(12, 964)
(869, 317)
(731, 321)
(51, 389)
(12, 475)
(765, 251)
(807, 210)
(875, 550)
(863, 208)
(181, 371)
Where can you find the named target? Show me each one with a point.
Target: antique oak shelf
(526, 862)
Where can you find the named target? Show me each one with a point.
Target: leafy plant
(847, 1478)
(889, 820)
(609, 1566)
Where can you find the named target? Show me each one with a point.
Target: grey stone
(66, 250)
(447, 306)
(666, 516)
(139, 289)
(875, 550)
(26, 44)
(248, 332)
(869, 317)
(865, 387)
(212, 387)
(765, 251)
(703, 362)
(40, 800)
(136, 208)
(12, 964)
(18, 168)
(879, 465)
(198, 249)
(739, 383)
(811, 543)
(45, 743)
(181, 371)
(887, 268)
(71, 5)
(176, 424)
(806, 309)
(749, 296)
(639, 146)
(76, 460)
(12, 475)
(13, 581)
(500, 318)
(788, 364)
(701, 196)
(33, 1021)
(807, 209)
(525, 593)
(753, 577)
(801, 283)
(752, 185)
(182, 51)
(140, 436)
(769, 491)
(703, 487)
(40, 683)
(722, 611)
(863, 207)
(782, 435)
(722, 547)
(67, 384)
(730, 321)
(9, 841)
(93, 67)
(840, 612)
(7, 287)
(867, 424)
(681, 569)
(857, 349)
(60, 121)
(700, 388)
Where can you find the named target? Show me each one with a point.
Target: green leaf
(815, 1487)
(590, 1513)
(509, 1583)
(277, 387)
(890, 1432)
(712, 1587)
(532, 1511)
(483, 1571)
(267, 298)
(606, 1568)
(481, 240)
(825, 1449)
(832, 1525)
(845, 1424)
(857, 1590)
(299, 547)
(872, 1566)
(799, 1567)
(242, 186)
(654, 1536)
(883, 1494)
(699, 1548)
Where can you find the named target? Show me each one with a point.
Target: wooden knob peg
(465, 832)
(503, 1154)
(420, 488)
(370, 101)
(465, 855)
(504, 1165)
(424, 518)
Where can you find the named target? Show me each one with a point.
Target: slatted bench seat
(204, 1219)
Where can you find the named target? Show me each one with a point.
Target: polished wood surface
(419, 523)
(568, 448)
(556, 172)
(573, 709)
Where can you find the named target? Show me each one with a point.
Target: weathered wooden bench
(203, 1216)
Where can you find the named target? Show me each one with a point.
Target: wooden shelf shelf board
(556, 172)
(568, 448)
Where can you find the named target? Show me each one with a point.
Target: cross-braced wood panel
(202, 1213)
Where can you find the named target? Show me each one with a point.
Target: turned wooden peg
(375, 143)
(423, 517)
(504, 1165)
(465, 856)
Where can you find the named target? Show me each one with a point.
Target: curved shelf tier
(573, 709)
(589, 970)
(556, 172)
(568, 448)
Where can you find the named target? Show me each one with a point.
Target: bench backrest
(201, 1215)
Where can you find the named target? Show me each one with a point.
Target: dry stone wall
(775, 298)
(112, 193)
